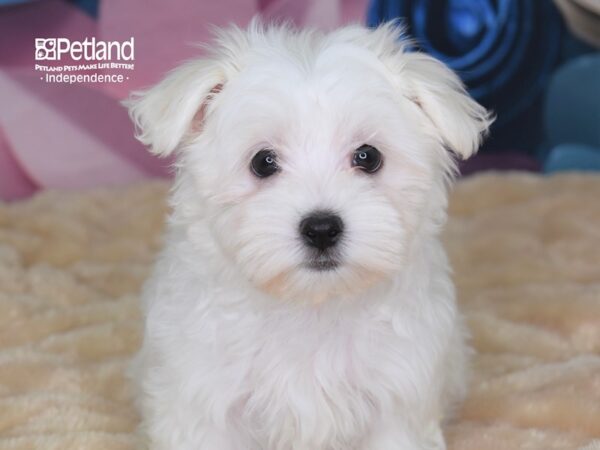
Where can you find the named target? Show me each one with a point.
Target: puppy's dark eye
(264, 163)
(367, 158)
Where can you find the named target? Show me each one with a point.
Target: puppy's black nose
(321, 230)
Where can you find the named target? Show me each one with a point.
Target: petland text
(90, 49)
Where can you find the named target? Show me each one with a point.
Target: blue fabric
(12, 2)
(504, 50)
(572, 106)
(573, 157)
(89, 6)
(572, 117)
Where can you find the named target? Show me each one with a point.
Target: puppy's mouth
(322, 263)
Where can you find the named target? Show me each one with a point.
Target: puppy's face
(315, 177)
(317, 162)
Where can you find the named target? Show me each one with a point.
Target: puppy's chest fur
(302, 377)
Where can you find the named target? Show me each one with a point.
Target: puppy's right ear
(164, 114)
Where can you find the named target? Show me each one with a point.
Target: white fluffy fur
(244, 348)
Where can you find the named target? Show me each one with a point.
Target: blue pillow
(572, 157)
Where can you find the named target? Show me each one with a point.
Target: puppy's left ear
(460, 121)
(167, 112)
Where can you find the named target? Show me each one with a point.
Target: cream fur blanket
(526, 251)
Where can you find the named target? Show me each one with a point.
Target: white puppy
(303, 300)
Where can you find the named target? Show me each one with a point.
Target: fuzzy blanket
(526, 252)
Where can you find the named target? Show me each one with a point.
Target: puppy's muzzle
(321, 230)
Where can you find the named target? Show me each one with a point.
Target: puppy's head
(314, 161)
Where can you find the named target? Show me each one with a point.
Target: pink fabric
(72, 136)
(14, 182)
(76, 136)
(20, 24)
(165, 33)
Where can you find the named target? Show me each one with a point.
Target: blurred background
(534, 62)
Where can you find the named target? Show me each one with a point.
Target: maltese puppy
(303, 300)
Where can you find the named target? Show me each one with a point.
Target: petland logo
(53, 49)
(87, 61)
